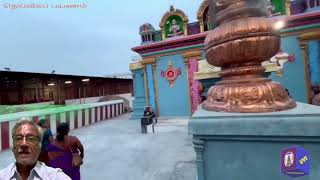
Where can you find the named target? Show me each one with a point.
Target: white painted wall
(127, 96)
(83, 100)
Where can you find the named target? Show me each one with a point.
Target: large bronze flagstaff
(243, 38)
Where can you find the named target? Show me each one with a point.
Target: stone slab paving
(115, 149)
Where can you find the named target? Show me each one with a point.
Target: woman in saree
(62, 150)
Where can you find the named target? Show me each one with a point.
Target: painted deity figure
(270, 7)
(288, 159)
(174, 28)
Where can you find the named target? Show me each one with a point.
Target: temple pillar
(247, 120)
(248, 145)
(149, 82)
(154, 68)
(139, 102)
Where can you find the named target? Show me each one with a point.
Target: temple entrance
(172, 83)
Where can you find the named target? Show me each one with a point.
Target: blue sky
(93, 41)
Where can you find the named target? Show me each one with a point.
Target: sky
(95, 40)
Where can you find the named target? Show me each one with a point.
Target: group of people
(39, 156)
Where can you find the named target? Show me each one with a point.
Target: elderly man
(26, 149)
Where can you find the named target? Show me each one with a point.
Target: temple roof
(146, 27)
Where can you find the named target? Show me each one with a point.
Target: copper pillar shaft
(243, 38)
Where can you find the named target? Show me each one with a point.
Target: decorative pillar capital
(149, 60)
(192, 54)
(137, 65)
(305, 37)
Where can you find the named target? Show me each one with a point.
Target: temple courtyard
(116, 149)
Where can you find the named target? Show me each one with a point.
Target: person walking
(66, 152)
(47, 138)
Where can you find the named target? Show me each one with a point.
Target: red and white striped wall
(77, 118)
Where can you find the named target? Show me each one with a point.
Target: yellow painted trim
(163, 33)
(201, 24)
(186, 62)
(206, 75)
(154, 66)
(200, 12)
(309, 35)
(149, 60)
(215, 74)
(136, 65)
(202, 8)
(284, 34)
(175, 52)
(185, 28)
(146, 85)
(192, 54)
(288, 6)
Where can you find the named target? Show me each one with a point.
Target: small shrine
(173, 76)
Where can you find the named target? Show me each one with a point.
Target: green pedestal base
(246, 146)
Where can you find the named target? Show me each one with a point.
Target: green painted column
(279, 6)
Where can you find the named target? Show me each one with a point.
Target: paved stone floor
(115, 149)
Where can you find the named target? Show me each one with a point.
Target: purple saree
(61, 158)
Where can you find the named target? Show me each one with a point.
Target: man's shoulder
(6, 171)
(48, 169)
(53, 173)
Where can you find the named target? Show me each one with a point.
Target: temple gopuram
(173, 75)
